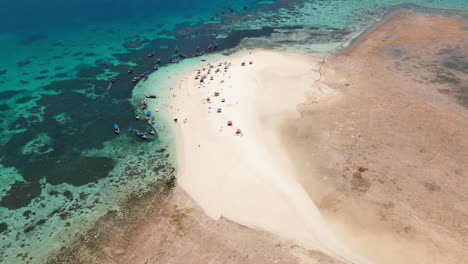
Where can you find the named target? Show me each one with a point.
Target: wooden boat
(141, 135)
(116, 129)
(150, 130)
(144, 104)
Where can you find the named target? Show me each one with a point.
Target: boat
(148, 115)
(116, 129)
(150, 130)
(152, 53)
(182, 56)
(144, 104)
(137, 114)
(130, 70)
(157, 109)
(141, 135)
(151, 96)
(153, 120)
(145, 77)
(135, 79)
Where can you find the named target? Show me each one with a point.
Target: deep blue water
(61, 165)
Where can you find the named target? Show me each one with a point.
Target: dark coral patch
(20, 194)
(9, 94)
(135, 44)
(23, 63)
(31, 39)
(61, 75)
(23, 100)
(4, 107)
(3, 72)
(88, 72)
(103, 63)
(3, 228)
(58, 44)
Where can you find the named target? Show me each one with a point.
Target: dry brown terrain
(391, 151)
(182, 233)
(173, 229)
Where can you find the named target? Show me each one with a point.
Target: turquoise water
(61, 165)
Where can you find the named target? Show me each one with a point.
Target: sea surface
(61, 164)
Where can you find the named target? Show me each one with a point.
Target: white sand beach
(246, 177)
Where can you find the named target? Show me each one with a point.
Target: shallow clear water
(61, 165)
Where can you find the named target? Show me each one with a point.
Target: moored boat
(150, 130)
(144, 104)
(141, 135)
